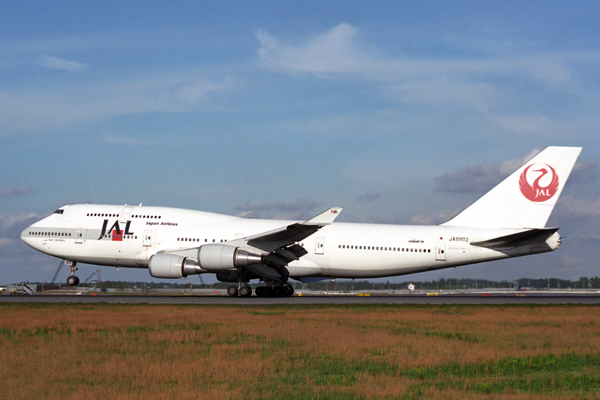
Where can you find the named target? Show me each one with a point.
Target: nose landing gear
(72, 280)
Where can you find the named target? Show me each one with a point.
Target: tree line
(344, 285)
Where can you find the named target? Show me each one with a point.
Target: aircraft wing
(288, 235)
(277, 248)
(281, 245)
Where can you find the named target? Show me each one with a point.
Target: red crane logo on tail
(536, 192)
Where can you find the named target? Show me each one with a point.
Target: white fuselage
(126, 236)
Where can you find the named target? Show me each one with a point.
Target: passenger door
(320, 246)
(79, 234)
(440, 252)
(148, 238)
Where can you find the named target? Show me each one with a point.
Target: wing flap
(264, 271)
(298, 250)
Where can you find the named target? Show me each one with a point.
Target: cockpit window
(59, 211)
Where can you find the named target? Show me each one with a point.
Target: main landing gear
(243, 291)
(285, 290)
(72, 280)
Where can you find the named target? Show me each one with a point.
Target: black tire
(232, 291)
(261, 291)
(245, 291)
(72, 280)
(288, 291)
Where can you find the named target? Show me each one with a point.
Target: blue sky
(281, 110)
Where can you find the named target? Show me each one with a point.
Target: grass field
(103, 351)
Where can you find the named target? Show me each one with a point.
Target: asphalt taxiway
(539, 299)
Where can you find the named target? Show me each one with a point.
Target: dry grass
(222, 352)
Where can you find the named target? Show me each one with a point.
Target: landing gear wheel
(232, 291)
(288, 291)
(245, 291)
(261, 291)
(72, 280)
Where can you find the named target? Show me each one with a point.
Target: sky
(400, 112)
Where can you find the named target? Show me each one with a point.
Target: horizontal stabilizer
(517, 239)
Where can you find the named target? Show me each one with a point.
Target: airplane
(508, 221)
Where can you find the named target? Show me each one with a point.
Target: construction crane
(62, 263)
(98, 275)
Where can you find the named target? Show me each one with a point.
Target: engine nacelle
(172, 266)
(222, 257)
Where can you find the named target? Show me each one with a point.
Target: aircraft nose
(27, 237)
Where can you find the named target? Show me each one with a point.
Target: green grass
(325, 352)
(567, 374)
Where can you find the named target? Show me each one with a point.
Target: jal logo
(115, 229)
(545, 182)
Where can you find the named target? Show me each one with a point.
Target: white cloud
(508, 167)
(481, 178)
(584, 171)
(52, 62)
(333, 52)
(51, 109)
(10, 221)
(471, 81)
(297, 209)
(11, 227)
(569, 206)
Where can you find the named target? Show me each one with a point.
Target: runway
(494, 299)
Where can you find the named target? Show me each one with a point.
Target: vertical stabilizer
(527, 197)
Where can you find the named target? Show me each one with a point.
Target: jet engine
(221, 257)
(172, 266)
